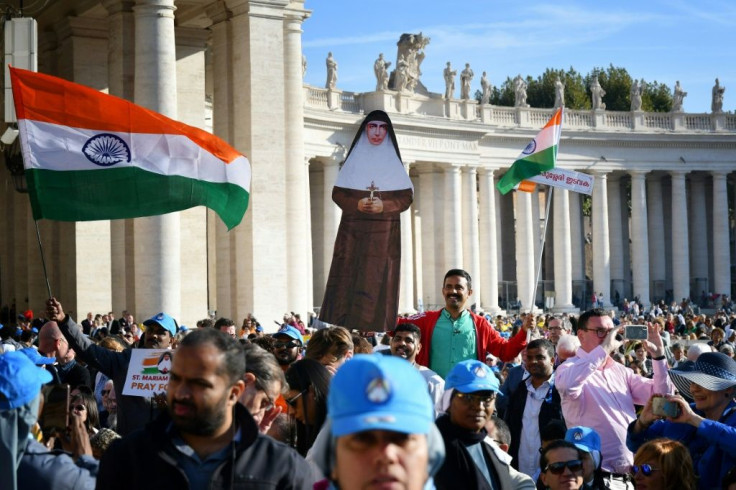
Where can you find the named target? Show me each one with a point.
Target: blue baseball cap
(377, 392)
(471, 376)
(37, 358)
(290, 331)
(20, 380)
(584, 438)
(164, 320)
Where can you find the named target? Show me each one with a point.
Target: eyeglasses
(288, 345)
(105, 392)
(645, 469)
(600, 332)
(292, 401)
(574, 465)
(471, 399)
(78, 408)
(269, 401)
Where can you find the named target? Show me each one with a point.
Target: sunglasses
(645, 469)
(574, 465)
(105, 392)
(78, 408)
(470, 399)
(292, 401)
(288, 345)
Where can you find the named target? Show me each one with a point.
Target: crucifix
(372, 188)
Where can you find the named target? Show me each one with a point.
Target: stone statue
(466, 76)
(411, 48)
(636, 91)
(331, 72)
(485, 86)
(449, 75)
(559, 94)
(678, 97)
(596, 94)
(520, 92)
(380, 68)
(304, 65)
(401, 78)
(717, 104)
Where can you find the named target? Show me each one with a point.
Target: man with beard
(455, 333)
(206, 439)
(288, 346)
(406, 343)
(134, 411)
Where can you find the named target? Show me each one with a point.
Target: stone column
(525, 258)
(488, 242)
(601, 243)
(120, 76)
(298, 239)
(441, 203)
(657, 257)
(331, 213)
(615, 227)
(577, 265)
(425, 207)
(721, 243)
(640, 237)
(698, 228)
(453, 210)
(563, 251)
(406, 284)
(471, 251)
(680, 234)
(157, 243)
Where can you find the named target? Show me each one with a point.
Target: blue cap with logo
(471, 376)
(164, 320)
(37, 358)
(20, 380)
(290, 331)
(584, 438)
(377, 392)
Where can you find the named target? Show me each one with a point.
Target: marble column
(656, 232)
(298, 239)
(615, 226)
(471, 251)
(680, 234)
(453, 216)
(577, 265)
(640, 237)
(406, 283)
(331, 212)
(721, 241)
(525, 258)
(698, 227)
(488, 239)
(563, 251)
(157, 244)
(425, 207)
(601, 243)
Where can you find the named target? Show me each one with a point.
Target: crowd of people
(450, 399)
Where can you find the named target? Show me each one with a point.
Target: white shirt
(530, 440)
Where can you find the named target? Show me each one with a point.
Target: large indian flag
(92, 156)
(539, 156)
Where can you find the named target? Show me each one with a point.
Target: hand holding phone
(635, 332)
(662, 407)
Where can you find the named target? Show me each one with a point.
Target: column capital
(638, 173)
(679, 174)
(154, 8)
(487, 170)
(720, 174)
(424, 168)
(452, 168)
(603, 174)
(470, 169)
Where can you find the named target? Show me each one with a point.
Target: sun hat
(164, 320)
(20, 380)
(713, 371)
(470, 376)
(376, 392)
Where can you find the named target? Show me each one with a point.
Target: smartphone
(55, 415)
(662, 407)
(636, 332)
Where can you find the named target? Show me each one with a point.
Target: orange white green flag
(92, 156)
(539, 156)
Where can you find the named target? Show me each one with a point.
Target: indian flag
(92, 156)
(539, 156)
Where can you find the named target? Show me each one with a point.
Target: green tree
(504, 95)
(657, 97)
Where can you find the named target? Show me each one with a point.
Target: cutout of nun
(372, 189)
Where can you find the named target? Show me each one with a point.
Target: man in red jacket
(455, 333)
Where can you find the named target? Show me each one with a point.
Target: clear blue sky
(690, 41)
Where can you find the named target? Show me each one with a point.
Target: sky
(664, 41)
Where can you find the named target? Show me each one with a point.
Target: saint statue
(717, 104)
(559, 94)
(636, 91)
(380, 69)
(678, 97)
(485, 87)
(331, 72)
(372, 189)
(466, 76)
(449, 75)
(520, 92)
(596, 94)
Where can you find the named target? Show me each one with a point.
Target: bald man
(51, 343)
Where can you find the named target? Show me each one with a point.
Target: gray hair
(694, 351)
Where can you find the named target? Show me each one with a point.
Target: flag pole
(43, 260)
(538, 264)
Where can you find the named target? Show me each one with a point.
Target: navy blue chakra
(106, 149)
(530, 148)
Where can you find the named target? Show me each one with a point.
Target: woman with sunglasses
(662, 464)
(309, 383)
(472, 460)
(562, 466)
(84, 406)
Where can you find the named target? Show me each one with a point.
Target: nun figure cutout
(372, 189)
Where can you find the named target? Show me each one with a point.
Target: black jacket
(551, 410)
(145, 460)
